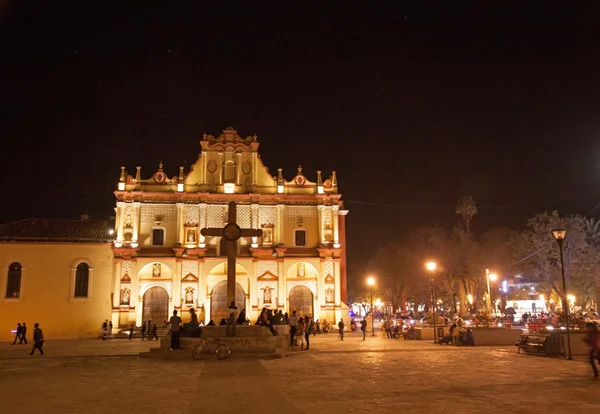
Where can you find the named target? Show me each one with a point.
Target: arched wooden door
(301, 301)
(156, 305)
(218, 301)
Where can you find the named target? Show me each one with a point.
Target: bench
(529, 344)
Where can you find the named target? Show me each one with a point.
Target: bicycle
(221, 351)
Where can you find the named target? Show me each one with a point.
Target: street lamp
(431, 266)
(492, 277)
(371, 282)
(559, 235)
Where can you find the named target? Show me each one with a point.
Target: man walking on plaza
(24, 333)
(341, 328)
(363, 328)
(143, 330)
(175, 330)
(38, 339)
(18, 334)
(293, 323)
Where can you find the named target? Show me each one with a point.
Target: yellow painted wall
(312, 233)
(46, 289)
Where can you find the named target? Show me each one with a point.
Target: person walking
(593, 340)
(363, 328)
(293, 322)
(130, 332)
(18, 334)
(300, 331)
(175, 329)
(110, 329)
(341, 328)
(24, 333)
(143, 330)
(153, 332)
(104, 329)
(308, 330)
(38, 339)
(388, 328)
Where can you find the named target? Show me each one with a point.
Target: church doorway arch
(156, 305)
(301, 301)
(218, 300)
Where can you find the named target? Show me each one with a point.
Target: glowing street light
(559, 236)
(431, 266)
(371, 283)
(493, 277)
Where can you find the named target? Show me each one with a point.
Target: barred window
(82, 279)
(13, 284)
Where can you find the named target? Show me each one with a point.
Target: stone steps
(185, 355)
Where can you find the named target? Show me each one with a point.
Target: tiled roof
(58, 230)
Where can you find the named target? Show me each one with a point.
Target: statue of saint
(125, 297)
(329, 295)
(267, 237)
(156, 270)
(267, 295)
(189, 295)
(191, 236)
(128, 221)
(300, 269)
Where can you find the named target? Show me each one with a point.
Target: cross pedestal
(231, 233)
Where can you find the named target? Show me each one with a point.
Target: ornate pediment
(329, 279)
(267, 276)
(190, 277)
(125, 278)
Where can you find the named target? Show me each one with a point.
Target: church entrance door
(301, 301)
(156, 305)
(218, 301)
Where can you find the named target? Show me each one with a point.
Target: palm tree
(467, 209)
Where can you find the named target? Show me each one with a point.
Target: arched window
(82, 279)
(13, 283)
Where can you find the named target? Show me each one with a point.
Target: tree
(467, 209)
(593, 238)
(579, 254)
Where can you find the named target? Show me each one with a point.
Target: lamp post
(489, 276)
(559, 235)
(371, 282)
(431, 266)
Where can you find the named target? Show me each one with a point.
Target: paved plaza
(378, 375)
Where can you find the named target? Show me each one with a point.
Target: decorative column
(118, 272)
(280, 218)
(176, 294)
(203, 290)
(320, 209)
(336, 293)
(180, 223)
(202, 167)
(336, 232)
(119, 222)
(221, 167)
(238, 167)
(282, 297)
(136, 223)
(254, 162)
(343, 278)
(202, 224)
(254, 219)
(253, 287)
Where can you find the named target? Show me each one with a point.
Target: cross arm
(211, 232)
(251, 233)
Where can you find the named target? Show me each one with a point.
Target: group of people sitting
(458, 336)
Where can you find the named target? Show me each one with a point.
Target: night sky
(412, 107)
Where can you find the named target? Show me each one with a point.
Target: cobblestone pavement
(377, 375)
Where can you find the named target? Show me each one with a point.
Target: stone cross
(231, 233)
